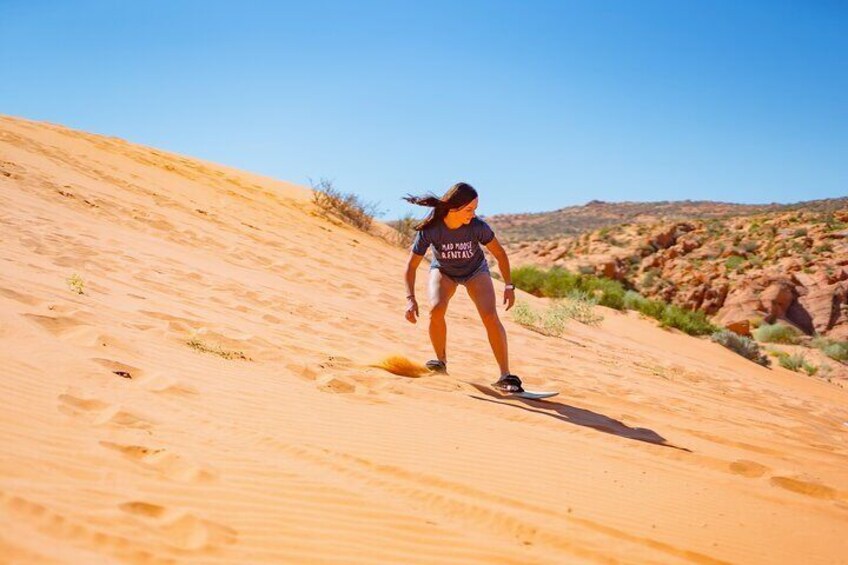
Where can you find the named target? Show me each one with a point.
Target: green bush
(734, 262)
(652, 308)
(688, 321)
(559, 283)
(744, 346)
(610, 293)
(580, 306)
(796, 362)
(836, 350)
(776, 333)
(529, 279)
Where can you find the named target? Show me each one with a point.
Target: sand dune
(214, 396)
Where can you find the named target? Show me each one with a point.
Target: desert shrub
(836, 350)
(734, 262)
(688, 321)
(404, 232)
(559, 283)
(346, 206)
(610, 293)
(776, 333)
(632, 300)
(796, 362)
(76, 284)
(580, 306)
(577, 306)
(529, 279)
(523, 314)
(744, 346)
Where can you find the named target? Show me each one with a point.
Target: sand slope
(121, 443)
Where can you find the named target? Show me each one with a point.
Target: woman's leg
(482, 292)
(441, 290)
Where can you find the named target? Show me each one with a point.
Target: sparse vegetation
(76, 284)
(578, 306)
(404, 230)
(558, 283)
(744, 346)
(198, 344)
(346, 206)
(796, 362)
(688, 321)
(734, 262)
(776, 333)
(836, 350)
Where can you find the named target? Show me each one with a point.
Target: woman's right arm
(411, 303)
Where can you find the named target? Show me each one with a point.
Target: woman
(456, 234)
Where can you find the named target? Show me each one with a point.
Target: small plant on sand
(523, 314)
(76, 284)
(776, 333)
(744, 346)
(404, 230)
(195, 342)
(796, 362)
(692, 322)
(580, 306)
(347, 206)
(836, 350)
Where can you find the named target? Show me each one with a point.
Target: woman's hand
(411, 309)
(509, 297)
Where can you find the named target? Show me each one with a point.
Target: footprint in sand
(181, 529)
(163, 461)
(21, 297)
(340, 375)
(747, 468)
(57, 525)
(153, 382)
(74, 330)
(806, 487)
(101, 413)
(119, 369)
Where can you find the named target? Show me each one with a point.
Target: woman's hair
(458, 196)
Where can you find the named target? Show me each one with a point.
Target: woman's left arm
(498, 251)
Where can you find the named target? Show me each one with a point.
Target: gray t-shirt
(457, 252)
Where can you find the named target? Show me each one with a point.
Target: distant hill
(597, 214)
(741, 264)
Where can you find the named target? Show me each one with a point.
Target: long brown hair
(457, 196)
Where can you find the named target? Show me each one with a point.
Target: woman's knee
(438, 310)
(490, 317)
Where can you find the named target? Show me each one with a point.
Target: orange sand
(121, 443)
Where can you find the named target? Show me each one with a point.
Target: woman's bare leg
(441, 290)
(482, 292)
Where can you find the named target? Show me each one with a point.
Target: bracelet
(412, 296)
(509, 287)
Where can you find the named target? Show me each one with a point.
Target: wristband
(509, 287)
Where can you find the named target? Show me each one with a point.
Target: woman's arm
(411, 267)
(499, 252)
(411, 303)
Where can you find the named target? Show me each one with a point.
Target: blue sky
(539, 105)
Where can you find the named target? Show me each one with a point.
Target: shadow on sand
(577, 416)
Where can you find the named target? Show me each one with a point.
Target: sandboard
(532, 395)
